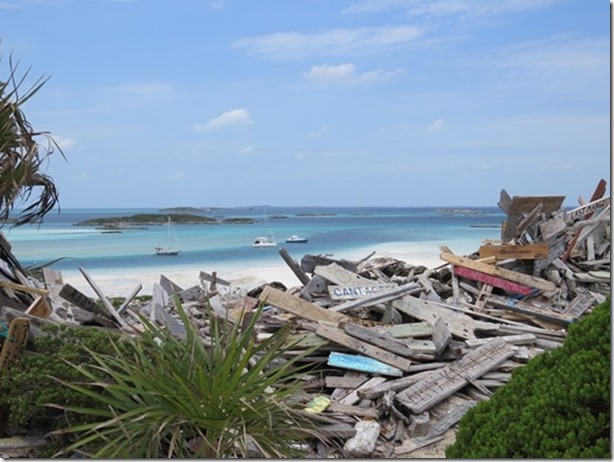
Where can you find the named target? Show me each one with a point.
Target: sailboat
(173, 242)
(269, 239)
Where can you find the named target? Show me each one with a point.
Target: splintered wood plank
(15, 343)
(379, 354)
(521, 252)
(369, 335)
(412, 329)
(23, 288)
(491, 280)
(441, 336)
(460, 325)
(526, 204)
(441, 383)
(354, 396)
(588, 209)
(298, 306)
(77, 298)
(105, 301)
(39, 308)
(336, 274)
(519, 306)
(504, 273)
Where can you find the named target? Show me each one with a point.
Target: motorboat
(294, 239)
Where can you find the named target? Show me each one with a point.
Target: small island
(151, 219)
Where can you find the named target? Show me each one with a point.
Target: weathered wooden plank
(519, 339)
(491, 280)
(15, 343)
(310, 262)
(504, 273)
(204, 276)
(352, 410)
(338, 275)
(552, 227)
(441, 383)
(294, 266)
(354, 397)
(521, 252)
(105, 301)
(297, 306)
(160, 315)
(369, 335)
(441, 336)
(459, 324)
(39, 308)
(129, 298)
(23, 288)
(358, 378)
(77, 298)
(344, 381)
(340, 337)
(519, 306)
(412, 329)
(451, 418)
(378, 390)
(587, 209)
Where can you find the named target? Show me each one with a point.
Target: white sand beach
(121, 282)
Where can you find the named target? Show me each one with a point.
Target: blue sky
(161, 103)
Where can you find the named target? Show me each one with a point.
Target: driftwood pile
(403, 351)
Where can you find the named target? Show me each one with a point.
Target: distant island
(448, 211)
(132, 221)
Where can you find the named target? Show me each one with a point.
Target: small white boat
(269, 239)
(173, 242)
(262, 241)
(294, 239)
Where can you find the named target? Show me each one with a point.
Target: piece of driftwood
(310, 262)
(77, 298)
(367, 301)
(294, 266)
(105, 301)
(382, 340)
(15, 342)
(39, 308)
(441, 383)
(354, 396)
(441, 336)
(297, 306)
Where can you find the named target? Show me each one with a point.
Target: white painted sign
(352, 292)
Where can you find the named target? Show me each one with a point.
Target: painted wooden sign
(352, 292)
(362, 363)
(494, 281)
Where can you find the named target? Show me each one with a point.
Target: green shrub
(28, 385)
(557, 406)
(178, 398)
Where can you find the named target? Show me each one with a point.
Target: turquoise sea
(340, 231)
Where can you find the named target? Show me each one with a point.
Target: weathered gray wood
(441, 383)
(527, 221)
(204, 276)
(526, 308)
(129, 298)
(583, 210)
(344, 381)
(339, 430)
(294, 266)
(520, 339)
(395, 385)
(363, 443)
(459, 324)
(354, 397)
(338, 275)
(441, 336)
(451, 418)
(168, 285)
(415, 443)
(369, 335)
(553, 227)
(412, 329)
(297, 306)
(105, 301)
(14, 345)
(77, 298)
(315, 287)
(356, 378)
(352, 410)
(160, 315)
(340, 337)
(310, 262)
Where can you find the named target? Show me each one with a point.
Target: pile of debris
(404, 350)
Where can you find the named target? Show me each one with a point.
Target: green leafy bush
(557, 406)
(28, 385)
(179, 398)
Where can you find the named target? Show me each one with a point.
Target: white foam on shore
(120, 282)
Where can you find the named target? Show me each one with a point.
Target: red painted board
(495, 281)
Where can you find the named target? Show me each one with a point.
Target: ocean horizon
(341, 232)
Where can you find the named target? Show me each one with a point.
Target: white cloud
(177, 176)
(437, 126)
(363, 39)
(227, 119)
(441, 8)
(246, 150)
(346, 74)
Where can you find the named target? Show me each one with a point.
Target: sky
(226, 103)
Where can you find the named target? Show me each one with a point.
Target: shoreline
(120, 282)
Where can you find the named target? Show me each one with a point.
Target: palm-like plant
(21, 156)
(179, 398)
